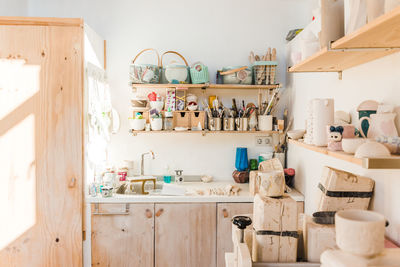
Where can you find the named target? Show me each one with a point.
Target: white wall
(376, 80)
(219, 33)
(14, 7)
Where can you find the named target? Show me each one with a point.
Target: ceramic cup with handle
(380, 124)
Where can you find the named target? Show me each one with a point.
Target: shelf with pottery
(374, 40)
(208, 86)
(392, 162)
(203, 132)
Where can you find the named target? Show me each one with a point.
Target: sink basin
(143, 184)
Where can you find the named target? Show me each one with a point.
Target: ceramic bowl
(296, 134)
(192, 107)
(350, 145)
(372, 149)
(360, 232)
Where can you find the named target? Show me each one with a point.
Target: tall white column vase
(323, 115)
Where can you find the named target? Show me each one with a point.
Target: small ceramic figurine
(335, 138)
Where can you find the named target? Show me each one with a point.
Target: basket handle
(147, 49)
(176, 53)
(233, 71)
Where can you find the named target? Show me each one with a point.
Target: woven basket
(199, 73)
(144, 73)
(174, 73)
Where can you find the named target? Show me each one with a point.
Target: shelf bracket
(340, 74)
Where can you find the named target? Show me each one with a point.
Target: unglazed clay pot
(360, 232)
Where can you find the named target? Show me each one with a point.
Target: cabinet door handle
(149, 214)
(225, 213)
(72, 182)
(96, 211)
(159, 212)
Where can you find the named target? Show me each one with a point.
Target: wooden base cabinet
(225, 212)
(185, 234)
(177, 235)
(122, 235)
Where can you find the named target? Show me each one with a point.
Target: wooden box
(181, 119)
(340, 190)
(275, 233)
(197, 117)
(317, 238)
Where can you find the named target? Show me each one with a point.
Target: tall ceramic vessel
(323, 115)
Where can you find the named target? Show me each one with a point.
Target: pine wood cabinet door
(121, 237)
(41, 143)
(225, 212)
(185, 235)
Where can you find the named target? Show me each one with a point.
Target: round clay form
(360, 232)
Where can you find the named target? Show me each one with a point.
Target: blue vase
(242, 162)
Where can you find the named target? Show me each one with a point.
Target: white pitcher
(380, 124)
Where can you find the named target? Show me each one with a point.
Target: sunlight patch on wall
(18, 82)
(18, 199)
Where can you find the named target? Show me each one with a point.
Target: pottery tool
(251, 57)
(273, 68)
(271, 103)
(268, 67)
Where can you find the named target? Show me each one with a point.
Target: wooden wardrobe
(41, 141)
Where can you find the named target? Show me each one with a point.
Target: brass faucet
(142, 160)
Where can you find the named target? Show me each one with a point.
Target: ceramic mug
(265, 122)
(381, 124)
(156, 124)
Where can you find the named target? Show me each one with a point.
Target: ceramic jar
(156, 124)
(265, 122)
(360, 232)
(322, 115)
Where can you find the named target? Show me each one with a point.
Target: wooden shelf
(207, 86)
(203, 132)
(368, 163)
(374, 40)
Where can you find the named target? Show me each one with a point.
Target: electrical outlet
(263, 140)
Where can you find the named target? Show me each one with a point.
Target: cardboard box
(275, 233)
(197, 117)
(317, 238)
(340, 190)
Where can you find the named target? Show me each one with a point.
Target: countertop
(190, 197)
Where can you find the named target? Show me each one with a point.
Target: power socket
(263, 140)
